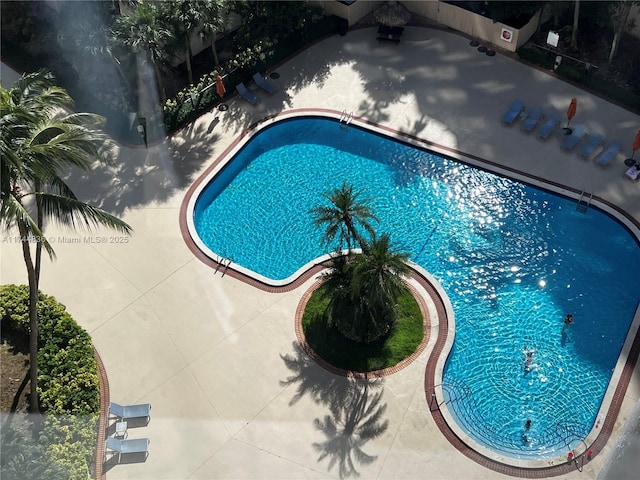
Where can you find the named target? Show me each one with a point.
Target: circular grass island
(335, 352)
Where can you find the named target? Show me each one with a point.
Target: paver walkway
(233, 396)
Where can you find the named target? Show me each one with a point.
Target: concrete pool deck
(233, 395)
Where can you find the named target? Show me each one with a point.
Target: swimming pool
(512, 258)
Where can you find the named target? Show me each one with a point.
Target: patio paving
(232, 394)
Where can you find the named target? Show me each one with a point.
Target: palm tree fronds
(75, 213)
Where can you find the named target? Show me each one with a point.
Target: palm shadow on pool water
(514, 259)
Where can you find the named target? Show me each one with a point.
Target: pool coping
(414, 282)
(508, 465)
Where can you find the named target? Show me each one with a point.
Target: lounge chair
(633, 173)
(124, 412)
(247, 95)
(516, 108)
(391, 34)
(570, 141)
(549, 126)
(134, 445)
(608, 154)
(264, 84)
(532, 120)
(593, 142)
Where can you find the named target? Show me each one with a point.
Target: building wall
(352, 13)
(474, 25)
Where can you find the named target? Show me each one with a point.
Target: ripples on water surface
(513, 259)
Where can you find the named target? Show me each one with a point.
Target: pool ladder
(584, 202)
(221, 263)
(345, 118)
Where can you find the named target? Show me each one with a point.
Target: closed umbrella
(636, 144)
(392, 14)
(220, 90)
(571, 112)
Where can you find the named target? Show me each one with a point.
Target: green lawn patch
(343, 353)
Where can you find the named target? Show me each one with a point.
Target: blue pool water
(513, 259)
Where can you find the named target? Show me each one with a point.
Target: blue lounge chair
(247, 95)
(124, 412)
(264, 84)
(516, 108)
(549, 126)
(570, 141)
(608, 154)
(593, 142)
(532, 120)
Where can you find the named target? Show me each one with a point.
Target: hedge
(68, 381)
(195, 100)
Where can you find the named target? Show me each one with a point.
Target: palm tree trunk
(33, 320)
(574, 32)
(619, 24)
(40, 221)
(188, 55)
(216, 62)
(163, 95)
(542, 9)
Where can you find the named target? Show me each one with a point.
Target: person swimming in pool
(528, 357)
(568, 320)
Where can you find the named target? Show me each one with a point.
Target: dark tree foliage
(268, 19)
(515, 14)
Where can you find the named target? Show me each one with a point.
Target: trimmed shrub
(14, 308)
(24, 459)
(68, 381)
(69, 440)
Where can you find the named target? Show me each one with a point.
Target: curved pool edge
(593, 444)
(614, 395)
(305, 272)
(427, 293)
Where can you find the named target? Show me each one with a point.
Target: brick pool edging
(99, 473)
(607, 425)
(555, 470)
(426, 325)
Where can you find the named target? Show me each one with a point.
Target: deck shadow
(356, 412)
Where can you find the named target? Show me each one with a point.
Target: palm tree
(214, 19)
(144, 31)
(620, 21)
(38, 142)
(348, 217)
(376, 280)
(187, 16)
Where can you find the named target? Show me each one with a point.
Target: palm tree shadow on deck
(356, 411)
(133, 177)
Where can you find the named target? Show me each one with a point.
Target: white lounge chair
(124, 412)
(134, 445)
(633, 173)
(247, 95)
(264, 84)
